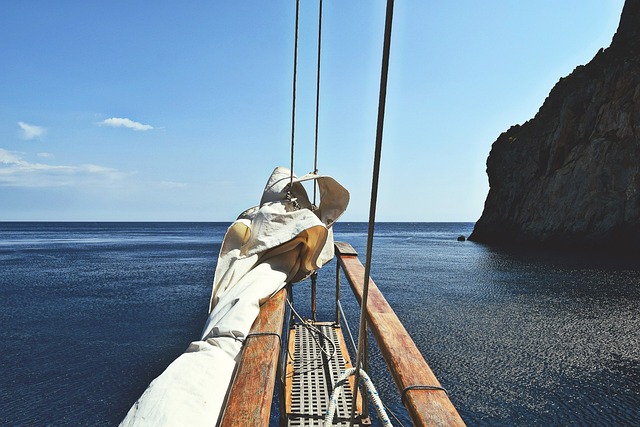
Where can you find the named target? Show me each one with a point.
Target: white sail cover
(282, 240)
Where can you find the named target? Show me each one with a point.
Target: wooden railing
(251, 392)
(427, 405)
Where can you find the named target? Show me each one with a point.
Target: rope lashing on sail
(243, 340)
(371, 390)
(263, 334)
(374, 197)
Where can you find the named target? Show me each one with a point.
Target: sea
(91, 313)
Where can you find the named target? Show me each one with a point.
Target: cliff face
(571, 175)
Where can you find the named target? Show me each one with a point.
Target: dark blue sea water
(90, 313)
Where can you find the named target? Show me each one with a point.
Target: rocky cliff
(571, 175)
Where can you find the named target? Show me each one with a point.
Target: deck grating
(314, 373)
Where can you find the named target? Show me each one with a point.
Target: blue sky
(154, 111)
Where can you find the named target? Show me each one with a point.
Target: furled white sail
(282, 240)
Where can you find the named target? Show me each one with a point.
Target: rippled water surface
(91, 313)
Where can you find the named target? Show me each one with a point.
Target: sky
(168, 111)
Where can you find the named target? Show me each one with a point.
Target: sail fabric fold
(280, 241)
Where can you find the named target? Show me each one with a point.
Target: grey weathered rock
(571, 175)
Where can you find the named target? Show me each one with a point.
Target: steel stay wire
(376, 171)
(374, 198)
(315, 153)
(294, 98)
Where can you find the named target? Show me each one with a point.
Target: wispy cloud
(47, 155)
(125, 123)
(17, 172)
(171, 184)
(31, 131)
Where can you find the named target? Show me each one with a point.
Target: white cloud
(31, 131)
(47, 155)
(17, 172)
(7, 157)
(126, 123)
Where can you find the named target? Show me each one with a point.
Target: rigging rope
(293, 107)
(357, 371)
(293, 100)
(313, 330)
(315, 156)
(371, 389)
(374, 197)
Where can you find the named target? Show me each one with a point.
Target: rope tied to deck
(371, 390)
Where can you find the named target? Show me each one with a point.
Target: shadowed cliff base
(570, 177)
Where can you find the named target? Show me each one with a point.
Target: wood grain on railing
(251, 392)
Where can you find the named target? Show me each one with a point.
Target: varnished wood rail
(405, 362)
(249, 399)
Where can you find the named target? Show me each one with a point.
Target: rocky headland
(570, 177)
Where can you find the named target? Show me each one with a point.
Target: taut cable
(315, 156)
(374, 198)
(293, 102)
